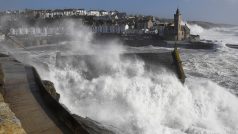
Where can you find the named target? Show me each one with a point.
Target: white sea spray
(136, 100)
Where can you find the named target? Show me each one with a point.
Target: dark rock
(49, 86)
(235, 46)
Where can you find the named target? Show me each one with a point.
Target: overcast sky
(220, 11)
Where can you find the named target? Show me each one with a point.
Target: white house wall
(109, 29)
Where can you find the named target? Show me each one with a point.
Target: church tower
(177, 25)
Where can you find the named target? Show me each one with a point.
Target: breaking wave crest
(135, 100)
(222, 35)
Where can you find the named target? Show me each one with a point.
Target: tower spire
(177, 11)
(178, 5)
(177, 25)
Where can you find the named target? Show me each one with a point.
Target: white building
(58, 13)
(39, 13)
(104, 13)
(69, 12)
(93, 13)
(115, 29)
(49, 14)
(80, 12)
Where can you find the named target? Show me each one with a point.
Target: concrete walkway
(22, 94)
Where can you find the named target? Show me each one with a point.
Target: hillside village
(103, 22)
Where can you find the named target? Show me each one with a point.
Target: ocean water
(220, 65)
(136, 101)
